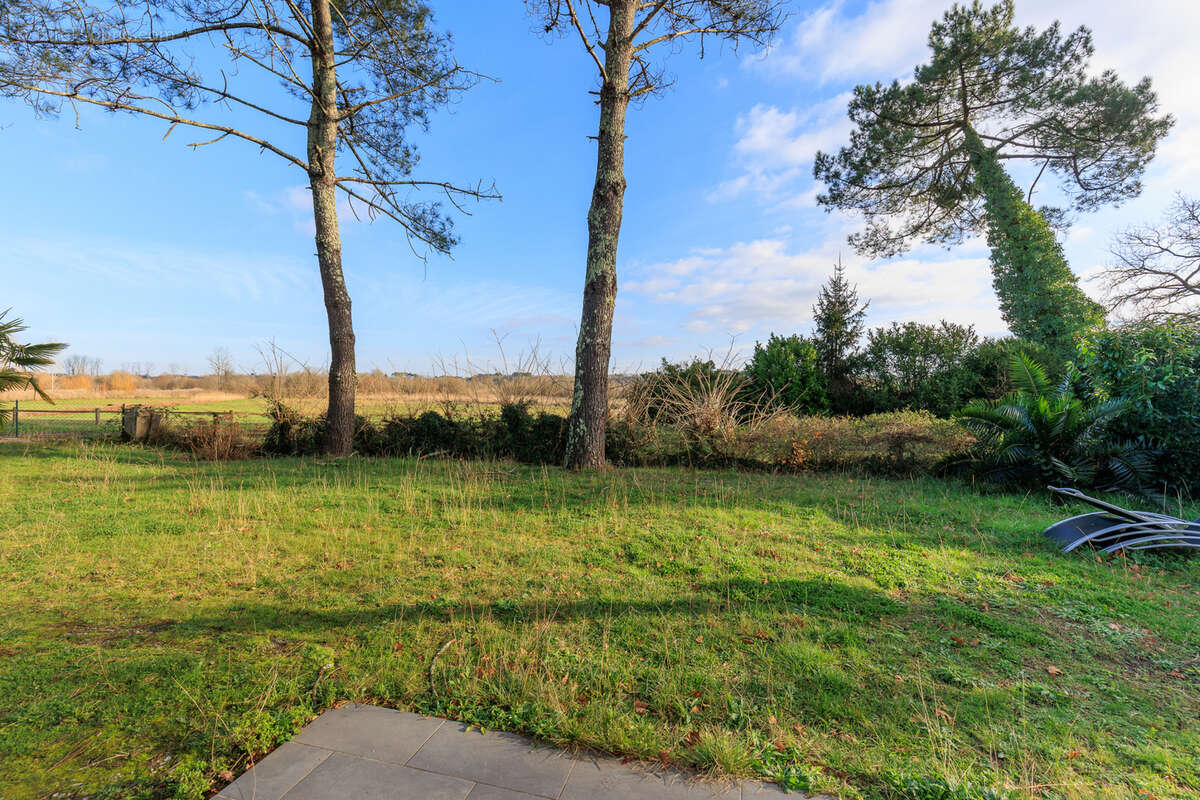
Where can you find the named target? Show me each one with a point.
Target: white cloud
(888, 38)
(775, 151)
(838, 45)
(764, 285)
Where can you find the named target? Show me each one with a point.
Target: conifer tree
(927, 159)
(839, 325)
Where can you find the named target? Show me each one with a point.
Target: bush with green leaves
(987, 366)
(916, 366)
(516, 433)
(1043, 434)
(1156, 367)
(785, 373)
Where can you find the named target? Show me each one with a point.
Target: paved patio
(366, 752)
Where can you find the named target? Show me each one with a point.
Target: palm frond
(1028, 375)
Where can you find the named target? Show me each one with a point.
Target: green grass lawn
(163, 619)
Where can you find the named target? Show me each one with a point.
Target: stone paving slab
(372, 753)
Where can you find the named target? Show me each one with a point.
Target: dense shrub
(1044, 435)
(917, 366)
(898, 443)
(220, 439)
(987, 366)
(291, 433)
(1156, 367)
(516, 433)
(785, 372)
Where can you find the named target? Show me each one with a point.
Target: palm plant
(20, 362)
(1043, 434)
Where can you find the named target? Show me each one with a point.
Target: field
(166, 618)
(74, 410)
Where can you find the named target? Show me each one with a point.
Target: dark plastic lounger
(1114, 528)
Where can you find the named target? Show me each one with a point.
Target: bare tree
(1156, 275)
(278, 364)
(375, 69)
(79, 364)
(220, 361)
(623, 38)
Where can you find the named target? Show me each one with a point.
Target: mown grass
(166, 619)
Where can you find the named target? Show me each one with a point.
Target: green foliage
(785, 372)
(925, 788)
(292, 433)
(19, 362)
(838, 330)
(191, 778)
(987, 366)
(1156, 368)
(1042, 435)
(917, 366)
(516, 434)
(907, 168)
(1039, 295)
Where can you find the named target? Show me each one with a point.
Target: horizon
(195, 250)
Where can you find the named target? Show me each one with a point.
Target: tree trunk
(322, 144)
(589, 405)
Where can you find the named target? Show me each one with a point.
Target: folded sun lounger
(1114, 528)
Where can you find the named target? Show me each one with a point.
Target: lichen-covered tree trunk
(589, 405)
(1039, 295)
(322, 146)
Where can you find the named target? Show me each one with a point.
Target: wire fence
(97, 421)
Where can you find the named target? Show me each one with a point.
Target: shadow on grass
(814, 596)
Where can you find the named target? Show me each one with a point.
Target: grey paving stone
(481, 792)
(603, 778)
(757, 790)
(498, 759)
(275, 774)
(370, 731)
(342, 776)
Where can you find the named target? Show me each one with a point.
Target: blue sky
(136, 249)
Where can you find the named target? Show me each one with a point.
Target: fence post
(16, 417)
(97, 417)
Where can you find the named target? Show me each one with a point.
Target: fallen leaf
(1054, 670)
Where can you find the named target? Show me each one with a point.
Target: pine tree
(928, 159)
(839, 327)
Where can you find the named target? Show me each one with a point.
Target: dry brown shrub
(219, 440)
(121, 382)
(719, 418)
(900, 441)
(77, 383)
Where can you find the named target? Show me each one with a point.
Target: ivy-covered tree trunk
(1039, 295)
(322, 145)
(588, 420)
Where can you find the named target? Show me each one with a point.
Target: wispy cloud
(775, 150)
(765, 285)
(295, 203)
(139, 271)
